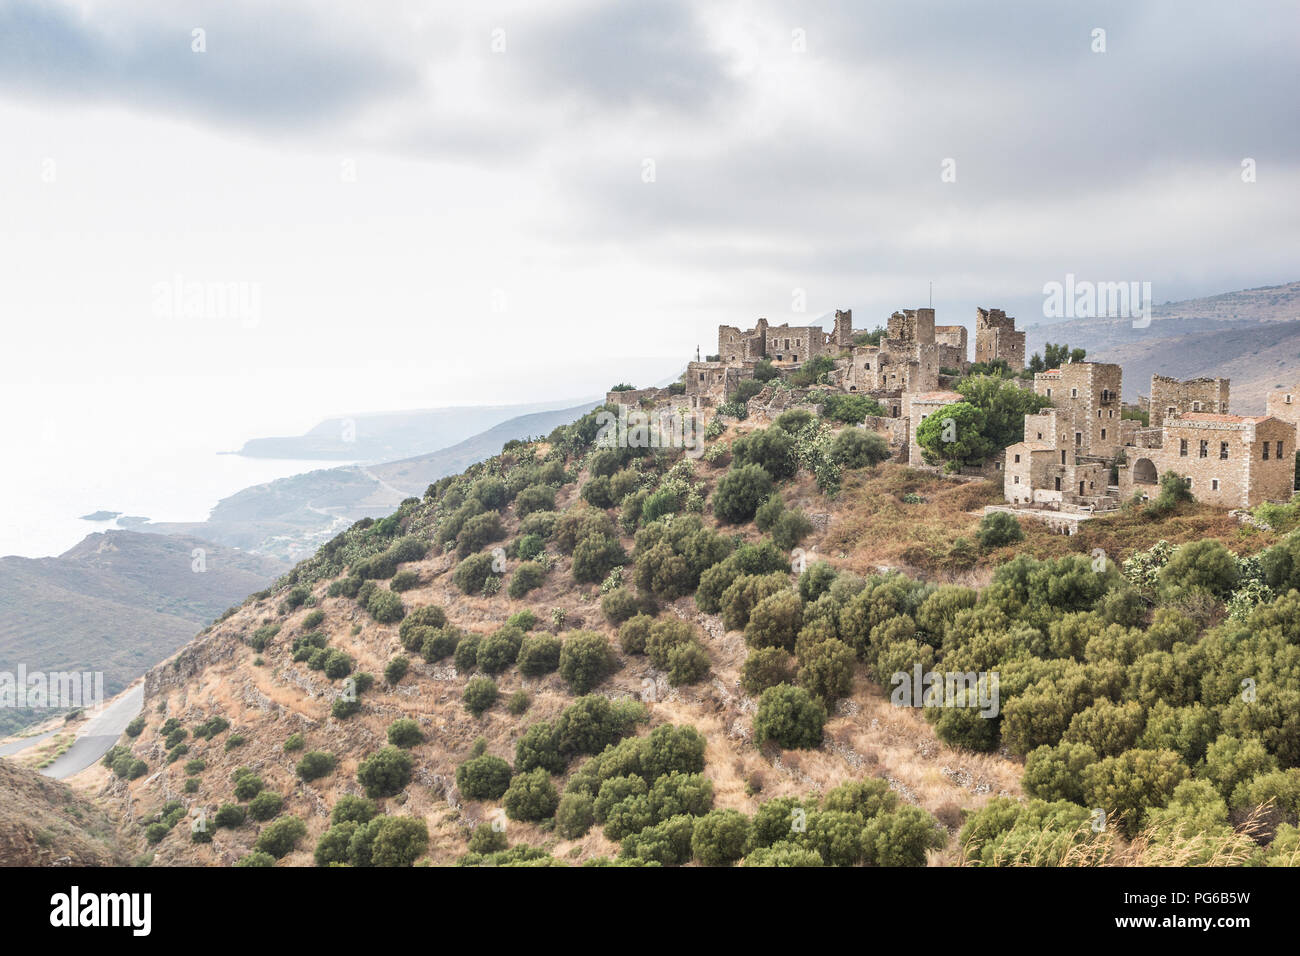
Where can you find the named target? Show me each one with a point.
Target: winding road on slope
(99, 734)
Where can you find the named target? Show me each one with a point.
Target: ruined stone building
(709, 383)
(996, 338)
(780, 344)
(842, 336)
(906, 360)
(954, 352)
(1170, 398)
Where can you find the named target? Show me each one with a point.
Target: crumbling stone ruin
(780, 344)
(912, 358)
(996, 338)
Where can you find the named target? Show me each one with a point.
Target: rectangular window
(1223, 450)
(1265, 451)
(1074, 393)
(1279, 451)
(1103, 434)
(1182, 448)
(1017, 459)
(1078, 439)
(1205, 449)
(1214, 484)
(1017, 481)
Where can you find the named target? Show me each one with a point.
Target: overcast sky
(433, 203)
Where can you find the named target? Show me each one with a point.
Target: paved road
(99, 733)
(9, 749)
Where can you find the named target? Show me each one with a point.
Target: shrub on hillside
(790, 717)
(397, 841)
(621, 604)
(404, 581)
(585, 660)
(539, 654)
(344, 707)
(479, 695)
(385, 607)
(483, 778)
(858, 448)
(466, 652)
(827, 671)
(531, 797)
(574, 815)
(499, 649)
(472, 573)
(315, 764)
(265, 805)
(229, 815)
(281, 836)
(405, 733)
(535, 498)
(740, 492)
(720, 837)
(775, 621)
(528, 576)
(396, 669)
(766, 667)
(385, 772)
(998, 528)
(634, 633)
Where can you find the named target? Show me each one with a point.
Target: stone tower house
(996, 338)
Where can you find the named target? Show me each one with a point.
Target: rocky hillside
(45, 823)
(575, 655)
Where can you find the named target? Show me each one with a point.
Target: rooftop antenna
(697, 353)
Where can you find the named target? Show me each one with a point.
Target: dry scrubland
(885, 516)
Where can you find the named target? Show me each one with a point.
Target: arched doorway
(1144, 472)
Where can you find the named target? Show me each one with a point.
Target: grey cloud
(260, 68)
(621, 56)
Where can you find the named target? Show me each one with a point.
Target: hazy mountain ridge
(1251, 337)
(118, 602)
(291, 517)
(385, 436)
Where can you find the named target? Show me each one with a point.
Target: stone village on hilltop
(1079, 456)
